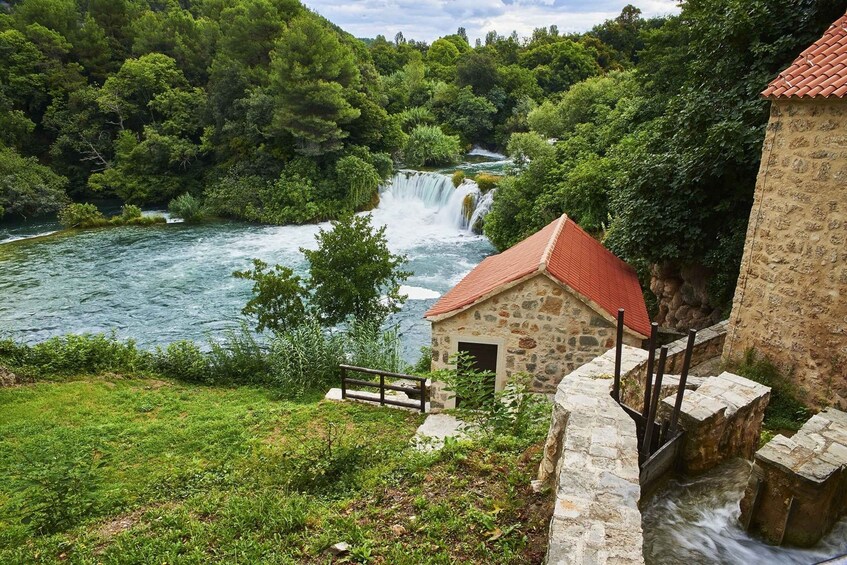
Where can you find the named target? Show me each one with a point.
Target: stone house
(791, 300)
(543, 307)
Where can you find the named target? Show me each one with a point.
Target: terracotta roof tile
(819, 71)
(566, 253)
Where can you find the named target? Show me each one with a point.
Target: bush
(184, 361)
(487, 182)
(186, 207)
(428, 145)
(785, 410)
(60, 482)
(369, 346)
(305, 357)
(79, 215)
(239, 358)
(458, 178)
(326, 464)
(86, 353)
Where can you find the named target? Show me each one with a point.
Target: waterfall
(460, 207)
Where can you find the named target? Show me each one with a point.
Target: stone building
(543, 307)
(791, 300)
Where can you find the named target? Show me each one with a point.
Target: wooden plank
(651, 359)
(654, 403)
(661, 462)
(683, 378)
(787, 518)
(386, 373)
(372, 384)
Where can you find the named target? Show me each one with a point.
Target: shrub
(486, 182)
(369, 346)
(325, 464)
(60, 482)
(428, 145)
(185, 361)
(186, 207)
(414, 117)
(305, 357)
(424, 362)
(86, 353)
(785, 409)
(458, 178)
(129, 212)
(80, 215)
(239, 358)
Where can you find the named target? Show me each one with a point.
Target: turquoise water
(165, 283)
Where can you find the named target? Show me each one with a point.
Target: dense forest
(648, 131)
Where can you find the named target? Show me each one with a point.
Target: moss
(458, 178)
(487, 182)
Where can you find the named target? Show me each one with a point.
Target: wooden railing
(382, 386)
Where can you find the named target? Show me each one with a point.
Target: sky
(426, 20)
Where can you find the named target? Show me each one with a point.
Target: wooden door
(477, 389)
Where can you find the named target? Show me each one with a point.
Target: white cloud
(429, 19)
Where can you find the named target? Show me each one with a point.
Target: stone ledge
(591, 458)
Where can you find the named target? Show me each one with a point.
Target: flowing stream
(164, 283)
(694, 521)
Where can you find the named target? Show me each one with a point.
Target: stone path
(436, 428)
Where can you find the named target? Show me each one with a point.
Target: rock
(7, 377)
(398, 529)
(341, 548)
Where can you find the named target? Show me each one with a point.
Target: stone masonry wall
(544, 330)
(591, 460)
(707, 345)
(790, 302)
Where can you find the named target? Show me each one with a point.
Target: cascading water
(460, 207)
(694, 520)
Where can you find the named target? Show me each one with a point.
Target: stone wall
(798, 488)
(682, 295)
(539, 327)
(722, 419)
(591, 459)
(708, 344)
(790, 302)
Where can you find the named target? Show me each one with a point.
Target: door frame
(500, 376)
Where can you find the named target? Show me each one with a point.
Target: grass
(112, 469)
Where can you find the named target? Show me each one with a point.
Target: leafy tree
(428, 145)
(353, 273)
(463, 113)
(27, 188)
(312, 74)
(279, 297)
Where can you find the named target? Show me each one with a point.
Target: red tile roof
(563, 251)
(819, 72)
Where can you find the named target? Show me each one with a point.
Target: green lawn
(140, 470)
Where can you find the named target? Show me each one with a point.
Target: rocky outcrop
(683, 299)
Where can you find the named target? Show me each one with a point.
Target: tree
(353, 273)
(27, 188)
(428, 145)
(312, 74)
(279, 297)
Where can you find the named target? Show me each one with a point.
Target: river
(159, 284)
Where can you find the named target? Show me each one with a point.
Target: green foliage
(84, 216)
(312, 75)
(59, 484)
(486, 181)
(353, 273)
(81, 216)
(185, 361)
(76, 354)
(305, 357)
(279, 297)
(428, 145)
(358, 179)
(28, 188)
(187, 207)
(786, 410)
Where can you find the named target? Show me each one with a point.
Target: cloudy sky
(428, 19)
